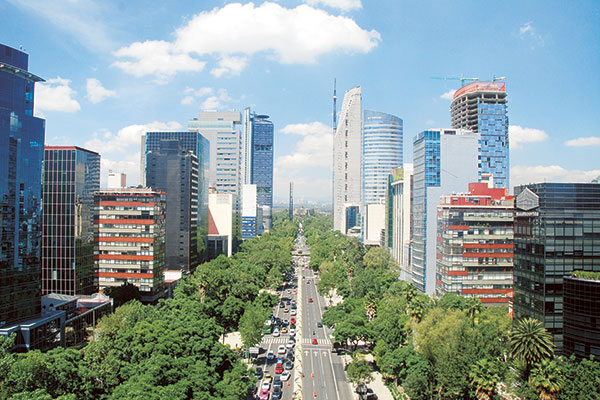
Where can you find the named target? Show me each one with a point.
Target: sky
(115, 69)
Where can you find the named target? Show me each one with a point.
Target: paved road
(324, 376)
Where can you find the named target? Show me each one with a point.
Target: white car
(293, 312)
(281, 350)
(292, 332)
(265, 385)
(290, 344)
(285, 375)
(276, 332)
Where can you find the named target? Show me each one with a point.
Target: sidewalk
(379, 388)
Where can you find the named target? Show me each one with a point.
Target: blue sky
(117, 68)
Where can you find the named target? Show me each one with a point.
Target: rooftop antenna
(334, 107)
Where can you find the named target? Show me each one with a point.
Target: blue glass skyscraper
(481, 107)
(258, 161)
(21, 155)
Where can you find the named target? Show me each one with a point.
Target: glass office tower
(445, 161)
(258, 162)
(70, 177)
(21, 154)
(481, 107)
(557, 230)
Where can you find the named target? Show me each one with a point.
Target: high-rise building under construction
(481, 107)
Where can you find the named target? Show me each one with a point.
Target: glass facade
(558, 236)
(427, 173)
(21, 154)
(71, 175)
(382, 151)
(173, 170)
(581, 317)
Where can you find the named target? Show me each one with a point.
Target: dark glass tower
(21, 154)
(71, 175)
(557, 230)
(258, 151)
(174, 170)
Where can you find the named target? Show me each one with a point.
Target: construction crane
(453, 78)
(498, 78)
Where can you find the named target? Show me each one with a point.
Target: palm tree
(473, 307)
(531, 343)
(484, 379)
(547, 379)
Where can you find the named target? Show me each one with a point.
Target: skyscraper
(116, 179)
(475, 244)
(21, 154)
(381, 152)
(258, 161)
(222, 130)
(397, 228)
(557, 226)
(481, 107)
(445, 161)
(220, 224)
(189, 141)
(130, 239)
(70, 177)
(251, 217)
(347, 158)
(174, 170)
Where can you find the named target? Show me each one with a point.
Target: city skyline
(103, 89)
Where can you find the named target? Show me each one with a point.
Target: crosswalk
(284, 340)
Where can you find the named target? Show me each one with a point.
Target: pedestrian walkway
(275, 340)
(379, 388)
(321, 341)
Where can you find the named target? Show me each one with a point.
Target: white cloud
(529, 33)
(187, 100)
(449, 95)
(523, 174)
(584, 141)
(96, 92)
(130, 165)
(230, 66)
(237, 31)
(156, 57)
(55, 95)
(344, 5)
(313, 150)
(309, 165)
(211, 99)
(127, 139)
(519, 135)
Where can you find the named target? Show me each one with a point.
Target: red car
(315, 341)
(310, 300)
(292, 320)
(279, 368)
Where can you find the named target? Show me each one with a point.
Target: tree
(359, 371)
(530, 343)
(251, 325)
(473, 306)
(418, 306)
(378, 257)
(547, 379)
(581, 379)
(484, 379)
(124, 293)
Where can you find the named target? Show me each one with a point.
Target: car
(290, 344)
(292, 320)
(290, 355)
(294, 306)
(270, 355)
(275, 332)
(279, 368)
(281, 305)
(288, 301)
(281, 349)
(288, 365)
(265, 385)
(285, 375)
(258, 373)
(293, 312)
(315, 341)
(264, 394)
(268, 377)
(277, 381)
(276, 393)
(319, 325)
(307, 282)
(284, 330)
(310, 300)
(292, 332)
(294, 291)
(371, 396)
(286, 310)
